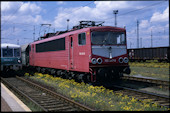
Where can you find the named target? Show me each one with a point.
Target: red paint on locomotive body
(75, 58)
(77, 54)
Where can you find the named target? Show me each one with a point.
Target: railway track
(42, 98)
(140, 95)
(147, 80)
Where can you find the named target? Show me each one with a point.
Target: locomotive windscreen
(108, 38)
(54, 45)
(7, 52)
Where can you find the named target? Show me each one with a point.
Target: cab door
(71, 50)
(81, 52)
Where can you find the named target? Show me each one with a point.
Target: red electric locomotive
(88, 52)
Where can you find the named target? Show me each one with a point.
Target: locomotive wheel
(38, 69)
(53, 72)
(43, 70)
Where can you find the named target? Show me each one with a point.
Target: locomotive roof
(71, 32)
(107, 27)
(4, 45)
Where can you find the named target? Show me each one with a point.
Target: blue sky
(19, 18)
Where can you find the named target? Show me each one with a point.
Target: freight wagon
(154, 53)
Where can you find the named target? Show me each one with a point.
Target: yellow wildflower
(133, 99)
(112, 105)
(127, 108)
(26, 74)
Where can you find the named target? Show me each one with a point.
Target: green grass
(149, 64)
(155, 70)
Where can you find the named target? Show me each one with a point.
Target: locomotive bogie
(11, 67)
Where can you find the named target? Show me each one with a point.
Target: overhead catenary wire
(81, 7)
(89, 4)
(13, 13)
(138, 9)
(48, 13)
(77, 9)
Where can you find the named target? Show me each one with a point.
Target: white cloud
(60, 2)
(161, 17)
(144, 24)
(6, 6)
(167, 25)
(26, 13)
(74, 14)
(29, 8)
(110, 5)
(101, 11)
(22, 12)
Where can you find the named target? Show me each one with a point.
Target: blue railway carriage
(10, 57)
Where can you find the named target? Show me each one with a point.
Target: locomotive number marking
(81, 53)
(112, 60)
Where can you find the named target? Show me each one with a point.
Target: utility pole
(141, 41)
(34, 34)
(115, 12)
(137, 34)
(17, 41)
(130, 44)
(169, 38)
(151, 37)
(14, 28)
(68, 24)
(54, 30)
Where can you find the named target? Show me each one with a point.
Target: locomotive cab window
(71, 42)
(82, 39)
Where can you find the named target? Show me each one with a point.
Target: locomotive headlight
(93, 60)
(125, 60)
(99, 60)
(120, 60)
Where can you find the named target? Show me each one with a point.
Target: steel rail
(146, 79)
(42, 98)
(22, 94)
(161, 99)
(56, 95)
